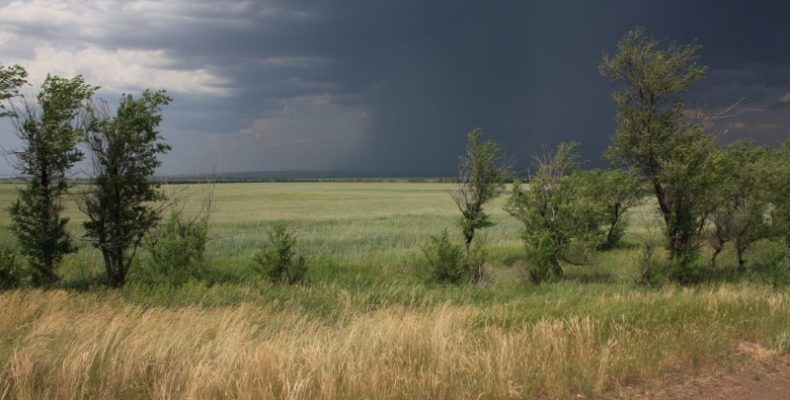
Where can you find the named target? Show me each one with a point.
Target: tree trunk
(610, 235)
(787, 257)
(666, 212)
(116, 271)
(469, 234)
(717, 248)
(107, 265)
(741, 262)
(556, 268)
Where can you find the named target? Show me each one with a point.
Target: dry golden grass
(59, 345)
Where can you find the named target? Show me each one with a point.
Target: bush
(561, 212)
(177, 246)
(277, 260)
(686, 269)
(449, 264)
(768, 265)
(10, 267)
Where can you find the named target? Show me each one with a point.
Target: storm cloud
(391, 87)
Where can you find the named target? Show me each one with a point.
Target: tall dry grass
(57, 345)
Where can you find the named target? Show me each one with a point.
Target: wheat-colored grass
(59, 345)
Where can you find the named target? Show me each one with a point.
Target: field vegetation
(366, 322)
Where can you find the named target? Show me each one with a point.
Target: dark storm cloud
(393, 86)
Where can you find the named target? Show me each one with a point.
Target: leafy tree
(653, 137)
(741, 198)
(609, 194)
(125, 151)
(482, 178)
(50, 131)
(11, 79)
(278, 260)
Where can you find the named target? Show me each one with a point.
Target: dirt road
(765, 376)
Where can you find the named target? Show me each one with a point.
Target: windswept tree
(12, 78)
(481, 178)
(50, 130)
(653, 136)
(125, 153)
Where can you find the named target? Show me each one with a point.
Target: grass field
(365, 324)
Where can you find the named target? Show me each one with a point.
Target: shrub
(556, 212)
(686, 269)
(177, 246)
(449, 263)
(769, 265)
(10, 267)
(277, 260)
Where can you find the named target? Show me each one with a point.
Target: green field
(364, 233)
(366, 323)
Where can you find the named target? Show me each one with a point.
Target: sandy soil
(763, 376)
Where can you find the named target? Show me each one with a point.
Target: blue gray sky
(391, 86)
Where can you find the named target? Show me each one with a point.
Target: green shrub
(567, 213)
(448, 263)
(686, 269)
(10, 267)
(768, 264)
(277, 260)
(177, 246)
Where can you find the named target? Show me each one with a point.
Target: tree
(11, 79)
(742, 199)
(50, 131)
(481, 179)
(610, 194)
(125, 153)
(653, 137)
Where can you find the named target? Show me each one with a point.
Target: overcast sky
(390, 86)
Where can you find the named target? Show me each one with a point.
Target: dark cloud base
(393, 87)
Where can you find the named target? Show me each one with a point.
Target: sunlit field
(366, 323)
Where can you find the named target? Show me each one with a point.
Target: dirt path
(765, 377)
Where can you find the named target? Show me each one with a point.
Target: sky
(392, 87)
